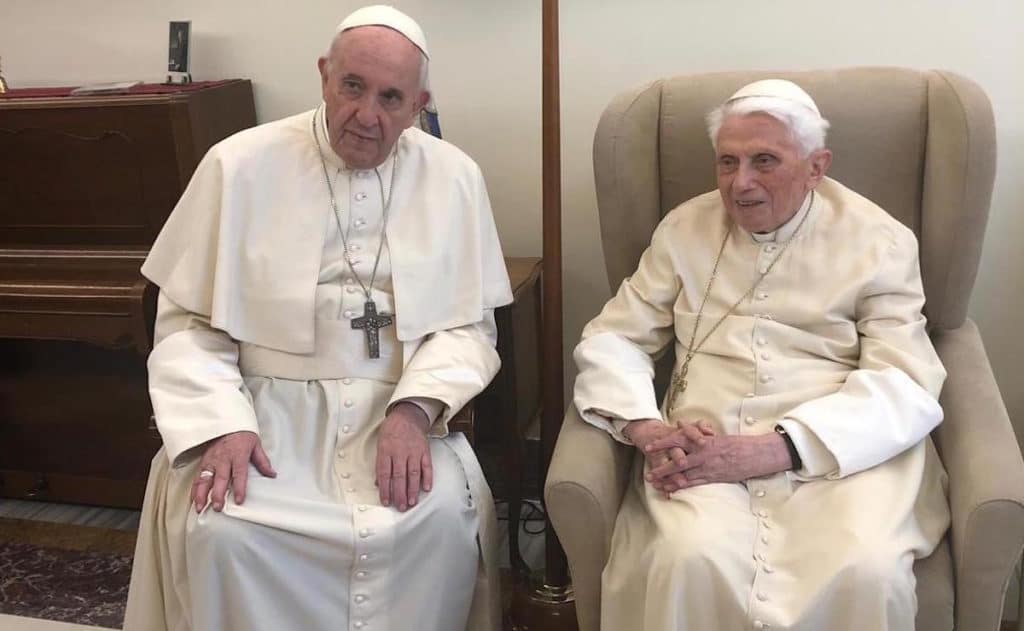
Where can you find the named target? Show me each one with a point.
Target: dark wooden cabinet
(511, 403)
(86, 183)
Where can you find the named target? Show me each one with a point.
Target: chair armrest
(584, 487)
(986, 478)
(464, 421)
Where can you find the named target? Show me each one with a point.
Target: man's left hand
(403, 456)
(728, 458)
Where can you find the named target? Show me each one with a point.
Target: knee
(216, 535)
(880, 568)
(688, 552)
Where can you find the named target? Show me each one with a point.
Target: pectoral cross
(372, 322)
(679, 381)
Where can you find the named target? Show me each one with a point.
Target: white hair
(805, 126)
(424, 61)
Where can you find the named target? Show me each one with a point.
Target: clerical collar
(335, 161)
(786, 230)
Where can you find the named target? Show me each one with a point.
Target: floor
(531, 542)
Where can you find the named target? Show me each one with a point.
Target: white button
(341, 454)
(351, 489)
(355, 261)
(364, 533)
(346, 475)
(762, 513)
(749, 395)
(348, 313)
(758, 624)
(360, 574)
(360, 222)
(762, 596)
(346, 428)
(364, 557)
(350, 290)
(764, 269)
(764, 539)
(349, 403)
(770, 248)
(762, 295)
(349, 281)
(358, 624)
(766, 378)
(766, 525)
(761, 341)
(360, 598)
(347, 381)
(750, 420)
(362, 508)
(759, 557)
(768, 569)
(765, 356)
(361, 174)
(360, 196)
(355, 247)
(759, 492)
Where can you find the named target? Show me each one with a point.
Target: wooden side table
(505, 409)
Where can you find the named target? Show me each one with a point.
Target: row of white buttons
(362, 574)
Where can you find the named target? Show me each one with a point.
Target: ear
(820, 161)
(321, 65)
(422, 99)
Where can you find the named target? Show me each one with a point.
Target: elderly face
(761, 175)
(371, 88)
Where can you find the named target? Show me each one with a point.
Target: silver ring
(205, 474)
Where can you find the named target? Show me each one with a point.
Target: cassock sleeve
(888, 404)
(615, 356)
(194, 382)
(450, 366)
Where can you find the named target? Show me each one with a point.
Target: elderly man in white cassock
(328, 283)
(787, 480)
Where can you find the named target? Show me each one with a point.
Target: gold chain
(679, 383)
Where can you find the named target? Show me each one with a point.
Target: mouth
(748, 203)
(361, 137)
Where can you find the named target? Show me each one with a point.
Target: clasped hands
(690, 454)
(403, 466)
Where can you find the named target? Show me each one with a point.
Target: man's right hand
(228, 458)
(646, 431)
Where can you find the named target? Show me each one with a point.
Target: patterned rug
(64, 572)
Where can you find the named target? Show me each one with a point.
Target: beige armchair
(920, 144)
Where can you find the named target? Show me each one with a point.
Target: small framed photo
(178, 52)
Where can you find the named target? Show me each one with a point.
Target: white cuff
(817, 460)
(431, 407)
(618, 427)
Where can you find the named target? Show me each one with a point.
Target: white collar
(786, 230)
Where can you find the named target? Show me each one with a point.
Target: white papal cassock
(832, 346)
(313, 548)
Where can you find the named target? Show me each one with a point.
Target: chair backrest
(919, 144)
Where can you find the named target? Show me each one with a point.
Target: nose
(744, 178)
(367, 113)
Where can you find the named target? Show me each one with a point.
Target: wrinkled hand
(729, 458)
(646, 434)
(228, 457)
(403, 456)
